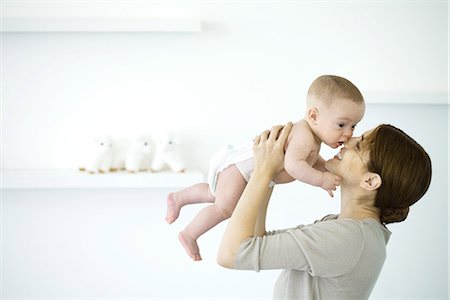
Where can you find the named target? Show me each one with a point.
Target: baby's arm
(301, 154)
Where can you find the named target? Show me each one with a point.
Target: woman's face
(351, 161)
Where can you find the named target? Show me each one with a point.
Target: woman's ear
(313, 113)
(370, 181)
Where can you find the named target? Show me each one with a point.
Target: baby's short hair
(327, 88)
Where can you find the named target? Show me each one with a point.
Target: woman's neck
(356, 205)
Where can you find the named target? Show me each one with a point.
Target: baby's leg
(230, 185)
(197, 193)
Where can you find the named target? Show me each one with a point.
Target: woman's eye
(357, 145)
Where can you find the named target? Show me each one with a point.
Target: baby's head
(334, 107)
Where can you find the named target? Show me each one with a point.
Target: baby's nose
(346, 138)
(348, 134)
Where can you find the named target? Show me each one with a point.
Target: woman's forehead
(367, 133)
(366, 137)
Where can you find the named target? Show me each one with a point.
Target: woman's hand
(268, 150)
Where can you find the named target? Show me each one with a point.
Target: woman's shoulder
(328, 217)
(366, 228)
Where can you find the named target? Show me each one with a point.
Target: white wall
(249, 68)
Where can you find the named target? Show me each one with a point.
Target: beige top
(330, 259)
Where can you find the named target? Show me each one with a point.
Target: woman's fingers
(262, 138)
(274, 132)
(256, 140)
(277, 133)
(265, 135)
(268, 154)
(285, 133)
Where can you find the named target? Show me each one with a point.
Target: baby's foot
(173, 210)
(190, 245)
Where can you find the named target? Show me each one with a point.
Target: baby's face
(337, 122)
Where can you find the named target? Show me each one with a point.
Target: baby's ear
(313, 113)
(370, 181)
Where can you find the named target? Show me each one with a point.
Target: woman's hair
(327, 88)
(404, 167)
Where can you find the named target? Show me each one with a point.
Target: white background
(247, 69)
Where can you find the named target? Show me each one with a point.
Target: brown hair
(327, 88)
(405, 170)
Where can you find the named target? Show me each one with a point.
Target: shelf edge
(72, 179)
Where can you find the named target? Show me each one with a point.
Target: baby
(334, 107)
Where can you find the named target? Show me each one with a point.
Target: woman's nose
(349, 143)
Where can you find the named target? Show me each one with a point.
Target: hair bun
(392, 215)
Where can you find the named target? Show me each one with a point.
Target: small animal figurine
(99, 155)
(168, 154)
(139, 156)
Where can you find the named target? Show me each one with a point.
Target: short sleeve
(328, 249)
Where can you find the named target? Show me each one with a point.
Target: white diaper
(241, 156)
(224, 158)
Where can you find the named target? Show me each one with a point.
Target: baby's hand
(330, 182)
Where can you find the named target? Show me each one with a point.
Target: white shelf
(73, 179)
(101, 24)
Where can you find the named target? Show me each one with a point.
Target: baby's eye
(341, 125)
(353, 127)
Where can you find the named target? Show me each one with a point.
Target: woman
(383, 172)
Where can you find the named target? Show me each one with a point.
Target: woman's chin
(329, 165)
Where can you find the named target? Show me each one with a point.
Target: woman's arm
(260, 226)
(248, 218)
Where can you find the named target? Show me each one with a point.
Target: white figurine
(99, 155)
(139, 156)
(168, 154)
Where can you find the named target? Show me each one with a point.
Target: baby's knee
(225, 211)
